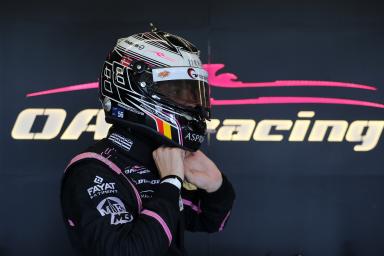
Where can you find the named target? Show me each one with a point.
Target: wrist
(179, 174)
(172, 179)
(168, 193)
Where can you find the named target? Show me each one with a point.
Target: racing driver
(137, 190)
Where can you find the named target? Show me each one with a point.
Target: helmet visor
(185, 87)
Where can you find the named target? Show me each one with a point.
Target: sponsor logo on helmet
(118, 112)
(196, 75)
(164, 74)
(131, 109)
(194, 62)
(194, 137)
(192, 73)
(162, 55)
(125, 61)
(138, 46)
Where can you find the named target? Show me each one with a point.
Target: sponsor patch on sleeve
(101, 188)
(115, 208)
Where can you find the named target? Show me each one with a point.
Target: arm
(109, 223)
(205, 211)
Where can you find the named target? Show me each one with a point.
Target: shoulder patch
(114, 207)
(101, 188)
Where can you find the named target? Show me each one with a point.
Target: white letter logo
(114, 206)
(98, 180)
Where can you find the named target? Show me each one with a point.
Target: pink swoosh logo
(229, 80)
(162, 55)
(71, 88)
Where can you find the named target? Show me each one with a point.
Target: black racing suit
(114, 202)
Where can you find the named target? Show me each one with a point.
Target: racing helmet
(154, 83)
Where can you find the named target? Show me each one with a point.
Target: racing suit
(114, 202)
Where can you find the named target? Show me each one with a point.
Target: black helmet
(154, 83)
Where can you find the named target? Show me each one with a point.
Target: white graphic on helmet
(179, 73)
(154, 82)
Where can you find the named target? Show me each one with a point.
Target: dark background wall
(319, 198)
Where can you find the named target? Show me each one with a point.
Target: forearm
(209, 211)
